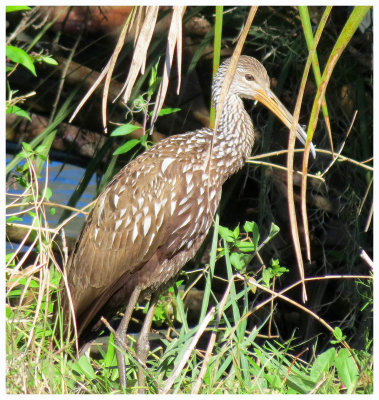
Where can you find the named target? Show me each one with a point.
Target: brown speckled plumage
(154, 215)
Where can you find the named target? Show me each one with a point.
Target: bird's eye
(249, 77)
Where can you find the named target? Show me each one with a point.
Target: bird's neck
(234, 139)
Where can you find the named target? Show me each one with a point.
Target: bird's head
(251, 81)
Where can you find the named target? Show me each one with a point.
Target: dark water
(62, 183)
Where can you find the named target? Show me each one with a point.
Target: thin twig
(45, 203)
(365, 196)
(336, 156)
(351, 160)
(281, 167)
(366, 259)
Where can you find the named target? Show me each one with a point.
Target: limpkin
(156, 212)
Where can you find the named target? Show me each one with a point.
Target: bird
(157, 210)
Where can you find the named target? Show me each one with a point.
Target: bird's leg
(120, 337)
(143, 345)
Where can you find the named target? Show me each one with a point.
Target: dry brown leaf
(139, 20)
(291, 203)
(174, 40)
(103, 74)
(90, 91)
(112, 63)
(140, 51)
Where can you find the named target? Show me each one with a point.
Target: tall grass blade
(308, 34)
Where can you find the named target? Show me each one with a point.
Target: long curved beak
(269, 99)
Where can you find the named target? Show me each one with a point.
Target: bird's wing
(120, 233)
(153, 203)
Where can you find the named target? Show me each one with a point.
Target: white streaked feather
(146, 225)
(116, 198)
(135, 232)
(117, 224)
(173, 206)
(166, 162)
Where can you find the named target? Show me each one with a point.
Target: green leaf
(18, 111)
(277, 269)
(236, 232)
(8, 256)
(83, 366)
(16, 8)
(42, 150)
(27, 147)
(22, 181)
(143, 139)
(347, 369)
(249, 226)
(274, 230)
(239, 260)
(256, 235)
(19, 56)
(110, 354)
(266, 276)
(322, 364)
(226, 233)
(33, 215)
(154, 80)
(337, 333)
(124, 130)
(126, 146)
(153, 75)
(9, 313)
(152, 88)
(13, 218)
(46, 59)
(166, 111)
(25, 281)
(245, 246)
